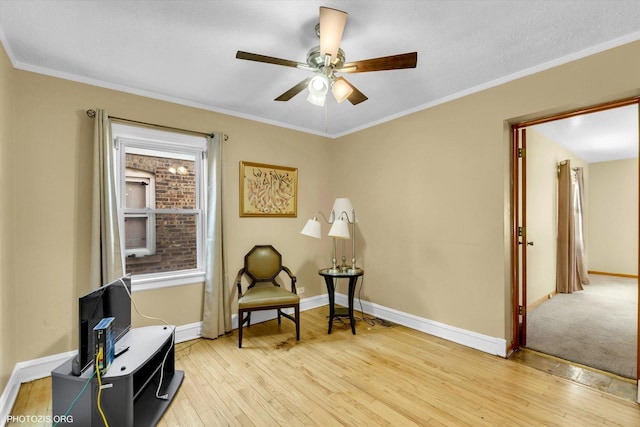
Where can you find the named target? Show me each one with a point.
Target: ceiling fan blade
(268, 59)
(356, 97)
(294, 90)
(393, 62)
(332, 22)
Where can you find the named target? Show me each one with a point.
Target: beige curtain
(216, 317)
(107, 261)
(577, 183)
(571, 272)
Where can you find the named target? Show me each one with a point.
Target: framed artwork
(268, 190)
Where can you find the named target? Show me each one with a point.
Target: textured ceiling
(184, 51)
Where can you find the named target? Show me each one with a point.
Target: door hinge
(521, 310)
(520, 231)
(521, 152)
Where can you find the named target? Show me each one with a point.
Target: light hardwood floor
(384, 375)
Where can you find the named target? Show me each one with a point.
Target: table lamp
(342, 215)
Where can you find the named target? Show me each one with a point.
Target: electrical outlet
(300, 291)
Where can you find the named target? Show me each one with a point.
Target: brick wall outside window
(175, 233)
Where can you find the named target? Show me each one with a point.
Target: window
(161, 205)
(139, 227)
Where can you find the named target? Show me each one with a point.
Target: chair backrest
(263, 263)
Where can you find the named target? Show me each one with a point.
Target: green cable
(76, 398)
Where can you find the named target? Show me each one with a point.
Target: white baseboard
(27, 371)
(188, 332)
(40, 368)
(485, 343)
(263, 316)
(193, 331)
(9, 395)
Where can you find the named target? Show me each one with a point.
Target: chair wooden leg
(240, 323)
(297, 313)
(242, 319)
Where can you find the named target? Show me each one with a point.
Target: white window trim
(139, 140)
(152, 281)
(134, 175)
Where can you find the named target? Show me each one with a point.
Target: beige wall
(7, 310)
(431, 190)
(432, 194)
(53, 151)
(543, 156)
(613, 227)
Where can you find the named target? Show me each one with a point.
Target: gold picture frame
(268, 190)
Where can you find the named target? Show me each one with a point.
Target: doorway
(536, 151)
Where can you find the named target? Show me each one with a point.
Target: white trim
(263, 316)
(41, 368)
(145, 282)
(165, 141)
(188, 332)
(592, 50)
(485, 343)
(149, 179)
(158, 150)
(9, 395)
(151, 141)
(34, 369)
(27, 371)
(193, 331)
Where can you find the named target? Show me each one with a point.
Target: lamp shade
(319, 84)
(340, 229)
(343, 204)
(316, 100)
(341, 89)
(312, 229)
(318, 88)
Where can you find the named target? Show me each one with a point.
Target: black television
(110, 300)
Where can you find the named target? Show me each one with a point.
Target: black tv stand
(129, 388)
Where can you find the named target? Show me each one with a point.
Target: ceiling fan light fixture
(319, 85)
(316, 100)
(318, 88)
(327, 59)
(341, 89)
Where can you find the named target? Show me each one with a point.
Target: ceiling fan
(328, 59)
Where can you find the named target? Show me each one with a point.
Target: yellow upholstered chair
(262, 265)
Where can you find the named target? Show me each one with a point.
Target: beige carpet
(596, 327)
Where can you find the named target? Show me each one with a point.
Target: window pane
(137, 194)
(175, 184)
(135, 231)
(176, 246)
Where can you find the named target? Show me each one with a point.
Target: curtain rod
(92, 113)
